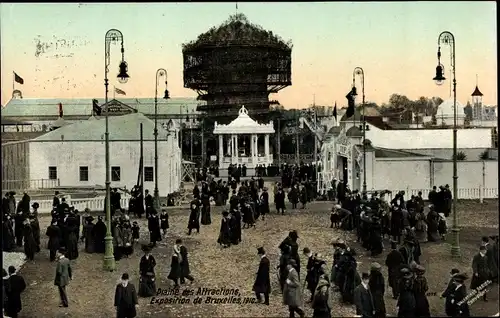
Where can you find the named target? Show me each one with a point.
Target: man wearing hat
(480, 269)
(451, 283)
(457, 294)
(63, 275)
(262, 283)
(126, 301)
(394, 261)
(292, 291)
(363, 299)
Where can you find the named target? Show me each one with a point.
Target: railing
(462, 193)
(291, 158)
(97, 204)
(13, 185)
(94, 204)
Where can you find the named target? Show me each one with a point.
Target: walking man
(63, 276)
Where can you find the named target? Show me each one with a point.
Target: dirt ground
(91, 292)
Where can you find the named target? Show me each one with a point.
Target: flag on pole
(18, 79)
(60, 110)
(335, 111)
(119, 91)
(96, 109)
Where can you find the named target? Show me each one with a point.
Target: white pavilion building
(244, 141)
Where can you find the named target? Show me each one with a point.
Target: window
(115, 174)
(84, 173)
(149, 174)
(53, 173)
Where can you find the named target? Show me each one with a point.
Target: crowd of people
(405, 223)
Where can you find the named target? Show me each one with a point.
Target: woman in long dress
(205, 210)
(420, 227)
(147, 284)
(29, 241)
(420, 289)
(377, 289)
(225, 231)
(175, 266)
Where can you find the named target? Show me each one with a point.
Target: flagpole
(13, 81)
(114, 91)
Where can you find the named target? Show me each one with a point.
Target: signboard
(213, 158)
(118, 108)
(343, 147)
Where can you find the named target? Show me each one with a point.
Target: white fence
(97, 204)
(478, 193)
(94, 204)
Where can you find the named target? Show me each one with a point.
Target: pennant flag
(96, 109)
(119, 91)
(60, 110)
(18, 79)
(350, 104)
(335, 111)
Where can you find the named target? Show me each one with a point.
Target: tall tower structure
(477, 104)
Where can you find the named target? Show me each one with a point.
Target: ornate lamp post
(359, 71)
(447, 37)
(159, 73)
(112, 35)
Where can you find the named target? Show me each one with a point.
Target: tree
(468, 111)
(399, 101)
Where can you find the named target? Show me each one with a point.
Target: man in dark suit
(148, 202)
(126, 298)
(363, 298)
(55, 201)
(15, 285)
(454, 307)
(262, 283)
(63, 276)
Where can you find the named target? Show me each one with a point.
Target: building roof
(477, 92)
(392, 153)
(32, 107)
(430, 138)
(243, 124)
(237, 30)
(121, 128)
(354, 132)
(446, 109)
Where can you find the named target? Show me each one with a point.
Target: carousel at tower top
(237, 63)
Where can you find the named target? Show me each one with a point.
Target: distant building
(40, 114)
(74, 155)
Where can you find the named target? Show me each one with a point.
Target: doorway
(345, 170)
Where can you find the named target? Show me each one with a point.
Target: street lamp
(112, 35)
(159, 73)
(447, 37)
(359, 71)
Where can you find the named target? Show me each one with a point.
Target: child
(164, 222)
(442, 227)
(135, 232)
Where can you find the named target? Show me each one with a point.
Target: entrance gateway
(244, 141)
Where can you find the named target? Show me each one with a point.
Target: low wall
(97, 204)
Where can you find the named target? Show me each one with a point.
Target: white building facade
(244, 141)
(406, 159)
(75, 154)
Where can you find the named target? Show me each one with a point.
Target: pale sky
(394, 42)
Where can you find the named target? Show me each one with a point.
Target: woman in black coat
(206, 219)
(376, 285)
(175, 266)
(29, 241)
(406, 301)
(420, 289)
(194, 217)
(147, 284)
(225, 231)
